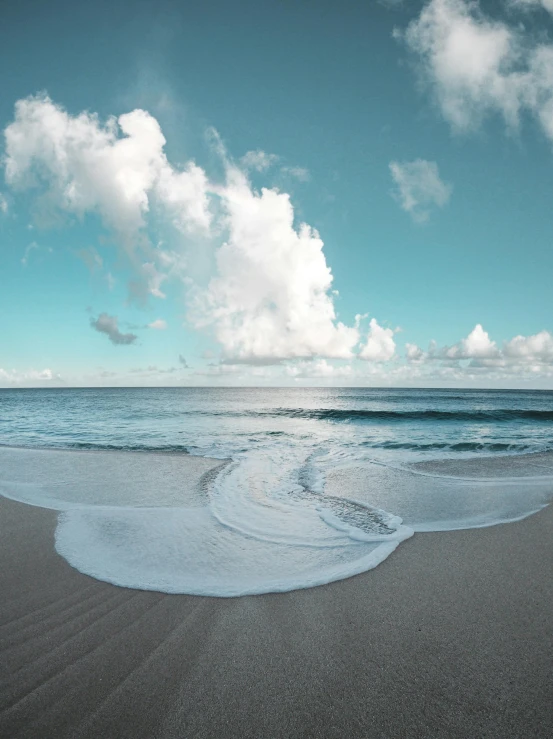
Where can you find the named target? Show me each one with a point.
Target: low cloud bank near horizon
(474, 361)
(530, 353)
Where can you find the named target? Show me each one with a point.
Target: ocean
(297, 487)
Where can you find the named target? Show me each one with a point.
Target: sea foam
(188, 551)
(266, 521)
(243, 541)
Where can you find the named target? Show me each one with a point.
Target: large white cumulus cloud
(85, 166)
(270, 298)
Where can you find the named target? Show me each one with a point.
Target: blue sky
(415, 138)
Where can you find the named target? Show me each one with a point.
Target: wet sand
(452, 636)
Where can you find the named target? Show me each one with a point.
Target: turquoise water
(314, 484)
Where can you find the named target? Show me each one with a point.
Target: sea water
(301, 486)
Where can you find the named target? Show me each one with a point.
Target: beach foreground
(452, 636)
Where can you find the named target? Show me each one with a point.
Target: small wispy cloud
(258, 160)
(3, 204)
(152, 369)
(108, 325)
(30, 247)
(148, 283)
(33, 246)
(419, 187)
(391, 4)
(299, 173)
(182, 361)
(91, 258)
(158, 325)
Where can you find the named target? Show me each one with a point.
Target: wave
(94, 446)
(356, 414)
(491, 415)
(404, 397)
(461, 446)
(391, 416)
(83, 446)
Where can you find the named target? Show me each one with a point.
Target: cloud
(532, 4)
(158, 325)
(477, 66)
(478, 353)
(116, 169)
(184, 196)
(537, 348)
(33, 247)
(148, 283)
(3, 204)
(91, 258)
(29, 378)
(222, 370)
(106, 324)
(152, 369)
(299, 173)
(183, 362)
(419, 187)
(270, 299)
(414, 353)
(270, 296)
(380, 346)
(318, 368)
(477, 345)
(258, 160)
(153, 279)
(28, 249)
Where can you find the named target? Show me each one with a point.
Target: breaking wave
(360, 414)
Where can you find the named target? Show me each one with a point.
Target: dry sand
(452, 636)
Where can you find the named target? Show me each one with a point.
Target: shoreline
(112, 450)
(451, 636)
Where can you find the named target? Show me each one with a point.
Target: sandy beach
(452, 636)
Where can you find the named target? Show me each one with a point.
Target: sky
(277, 193)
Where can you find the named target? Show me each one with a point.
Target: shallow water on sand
(234, 491)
